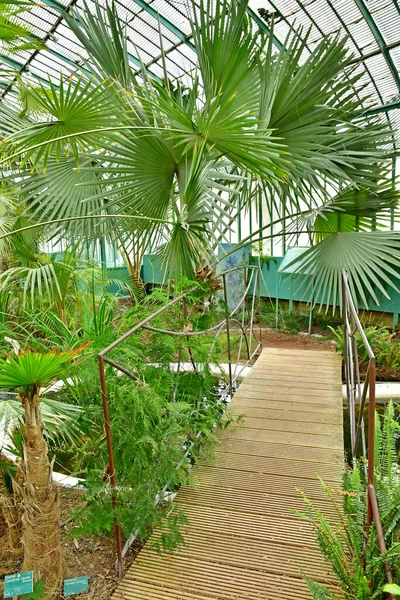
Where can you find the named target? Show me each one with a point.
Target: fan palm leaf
(30, 369)
(295, 126)
(372, 260)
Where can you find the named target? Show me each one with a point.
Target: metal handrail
(144, 324)
(352, 327)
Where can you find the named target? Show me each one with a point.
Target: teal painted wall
(273, 284)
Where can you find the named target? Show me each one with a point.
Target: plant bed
(283, 339)
(83, 556)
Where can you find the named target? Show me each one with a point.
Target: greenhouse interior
(200, 299)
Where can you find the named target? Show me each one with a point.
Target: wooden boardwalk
(243, 542)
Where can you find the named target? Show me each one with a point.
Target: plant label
(18, 584)
(76, 585)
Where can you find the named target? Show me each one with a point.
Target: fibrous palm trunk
(41, 507)
(10, 511)
(10, 519)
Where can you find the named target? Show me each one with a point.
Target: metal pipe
(354, 314)
(111, 465)
(259, 303)
(379, 530)
(371, 436)
(362, 405)
(228, 337)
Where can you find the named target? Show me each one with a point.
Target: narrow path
(243, 541)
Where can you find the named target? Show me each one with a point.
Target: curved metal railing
(357, 392)
(239, 321)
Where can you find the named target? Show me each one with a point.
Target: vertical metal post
(394, 185)
(111, 465)
(371, 435)
(228, 337)
(259, 301)
(344, 314)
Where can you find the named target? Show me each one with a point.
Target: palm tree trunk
(41, 505)
(10, 521)
(10, 517)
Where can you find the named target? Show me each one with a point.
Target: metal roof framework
(372, 28)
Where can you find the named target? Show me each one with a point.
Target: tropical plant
(144, 159)
(384, 344)
(15, 37)
(35, 498)
(352, 549)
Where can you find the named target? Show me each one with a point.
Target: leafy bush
(352, 550)
(385, 346)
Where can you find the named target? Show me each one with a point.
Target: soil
(282, 339)
(85, 556)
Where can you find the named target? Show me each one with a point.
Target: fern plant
(351, 549)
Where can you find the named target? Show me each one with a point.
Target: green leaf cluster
(351, 549)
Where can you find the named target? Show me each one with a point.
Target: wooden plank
(243, 541)
(282, 437)
(253, 415)
(283, 424)
(266, 383)
(259, 482)
(255, 554)
(298, 378)
(214, 580)
(315, 455)
(277, 464)
(265, 391)
(254, 502)
(250, 400)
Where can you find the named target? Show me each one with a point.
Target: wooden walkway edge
(243, 542)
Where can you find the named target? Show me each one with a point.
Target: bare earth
(282, 339)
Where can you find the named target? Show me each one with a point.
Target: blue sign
(76, 585)
(18, 584)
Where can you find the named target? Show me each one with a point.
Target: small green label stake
(76, 585)
(18, 584)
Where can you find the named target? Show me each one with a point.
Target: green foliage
(162, 421)
(38, 591)
(384, 344)
(14, 36)
(352, 550)
(172, 161)
(29, 370)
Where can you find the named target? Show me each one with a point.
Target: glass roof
(372, 27)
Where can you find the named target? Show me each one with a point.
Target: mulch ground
(84, 556)
(281, 339)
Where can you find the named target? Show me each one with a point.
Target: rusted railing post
(344, 314)
(259, 302)
(228, 336)
(371, 436)
(111, 465)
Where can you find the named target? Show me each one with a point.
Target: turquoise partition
(152, 270)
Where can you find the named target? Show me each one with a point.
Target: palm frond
(33, 369)
(371, 259)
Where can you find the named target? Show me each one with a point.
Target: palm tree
(35, 497)
(149, 159)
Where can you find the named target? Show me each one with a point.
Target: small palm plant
(36, 497)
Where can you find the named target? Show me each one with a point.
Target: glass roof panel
(372, 27)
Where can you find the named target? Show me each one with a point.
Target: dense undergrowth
(351, 548)
(384, 344)
(161, 421)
